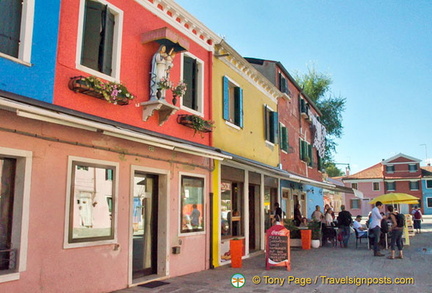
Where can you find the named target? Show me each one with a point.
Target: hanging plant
(112, 92)
(195, 122)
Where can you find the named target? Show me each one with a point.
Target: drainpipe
(211, 231)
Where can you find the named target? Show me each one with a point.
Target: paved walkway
(326, 268)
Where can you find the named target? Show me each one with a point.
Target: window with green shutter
(192, 75)
(10, 27)
(283, 138)
(232, 102)
(98, 37)
(271, 125)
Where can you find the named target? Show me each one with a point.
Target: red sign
(278, 247)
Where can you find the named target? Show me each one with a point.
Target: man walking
(344, 222)
(375, 227)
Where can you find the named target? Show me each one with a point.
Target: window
(429, 202)
(15, 173)
(391, 185)
(428, 183)
(304, 107)
(92, 200)
(100, 46)
(319, 161)
(271, 123)
(16, 28)
(376, 186)
(306, 153)
(355, 203)
(354, 185)
(192, 204)
(414, 185)
(231, 209)
(390, 169)
(283, 137)
(193, 76)
(412, 167)
(283, 85)
(232, 102)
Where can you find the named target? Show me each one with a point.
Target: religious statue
(162, 63)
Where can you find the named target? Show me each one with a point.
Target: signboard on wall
(278, 247)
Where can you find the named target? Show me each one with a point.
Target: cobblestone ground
(328, 269)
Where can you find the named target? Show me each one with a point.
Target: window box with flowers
(112, 92)
(195, 122)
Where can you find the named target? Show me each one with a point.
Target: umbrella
(391, 198)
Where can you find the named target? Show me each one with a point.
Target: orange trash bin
(236, 248)
(306, 238)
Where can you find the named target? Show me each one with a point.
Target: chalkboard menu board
(277, 247)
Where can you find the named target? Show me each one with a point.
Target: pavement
(325, 269)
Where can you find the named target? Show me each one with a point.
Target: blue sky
(378, 53)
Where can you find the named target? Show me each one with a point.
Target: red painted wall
(289, 115)
(135, 67)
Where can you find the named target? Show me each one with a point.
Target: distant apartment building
(400, 174)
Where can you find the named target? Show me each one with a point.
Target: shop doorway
(145, 225)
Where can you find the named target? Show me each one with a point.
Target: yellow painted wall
(216, 175)
(248, 142)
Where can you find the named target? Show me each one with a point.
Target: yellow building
(244, 111)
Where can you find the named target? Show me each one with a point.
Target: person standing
(344, 222)
(297, 215)
(277, 217)
(396, 233)
(375, 227)
(418, 218)
(317, 215)
(195, 216)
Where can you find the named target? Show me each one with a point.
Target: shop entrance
(254, 217)
(145, 225)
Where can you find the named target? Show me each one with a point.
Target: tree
(317, 87)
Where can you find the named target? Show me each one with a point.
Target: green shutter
(284, 138)
(91, 35)
(266, 124)
(274, 129)
(238, 105)
(105, 60)
(10, 26)
(300, 149)
(189, 77)
(225, 98)
(310, 154)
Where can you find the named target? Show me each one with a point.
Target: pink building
(400, 173)
(106, 195)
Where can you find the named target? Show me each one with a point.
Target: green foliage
(317, 87)
(294, 230)
(315, 226)
(332, 170)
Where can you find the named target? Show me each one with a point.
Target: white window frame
(200, 84)
(26, 34)
(20, 225)
(390, 172)
(393, 183)
(418, 185)
(373, 186)
(427, 205)
(267, 124)
(358, 204)
(204, 215)
(426, 183)
(117, 42)
(412, 165)
(114, 165)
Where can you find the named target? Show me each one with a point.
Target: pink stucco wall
(100, 268)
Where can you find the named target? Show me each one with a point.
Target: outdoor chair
(359, 238)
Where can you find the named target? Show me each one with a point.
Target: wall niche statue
(162, 63)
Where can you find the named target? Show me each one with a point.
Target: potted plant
(315, 226)
(178, 91)
(112, 92)
(195, 122)
(294, 232)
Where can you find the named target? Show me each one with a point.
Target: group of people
(378, 223)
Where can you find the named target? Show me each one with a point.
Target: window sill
(232, 125)
(186, 234)
(97, 73)
(9, 277)
(90, 244)
(16, 60)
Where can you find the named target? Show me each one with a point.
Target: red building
(399, 174)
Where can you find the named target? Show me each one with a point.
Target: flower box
(195, 122)
(111, 92)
